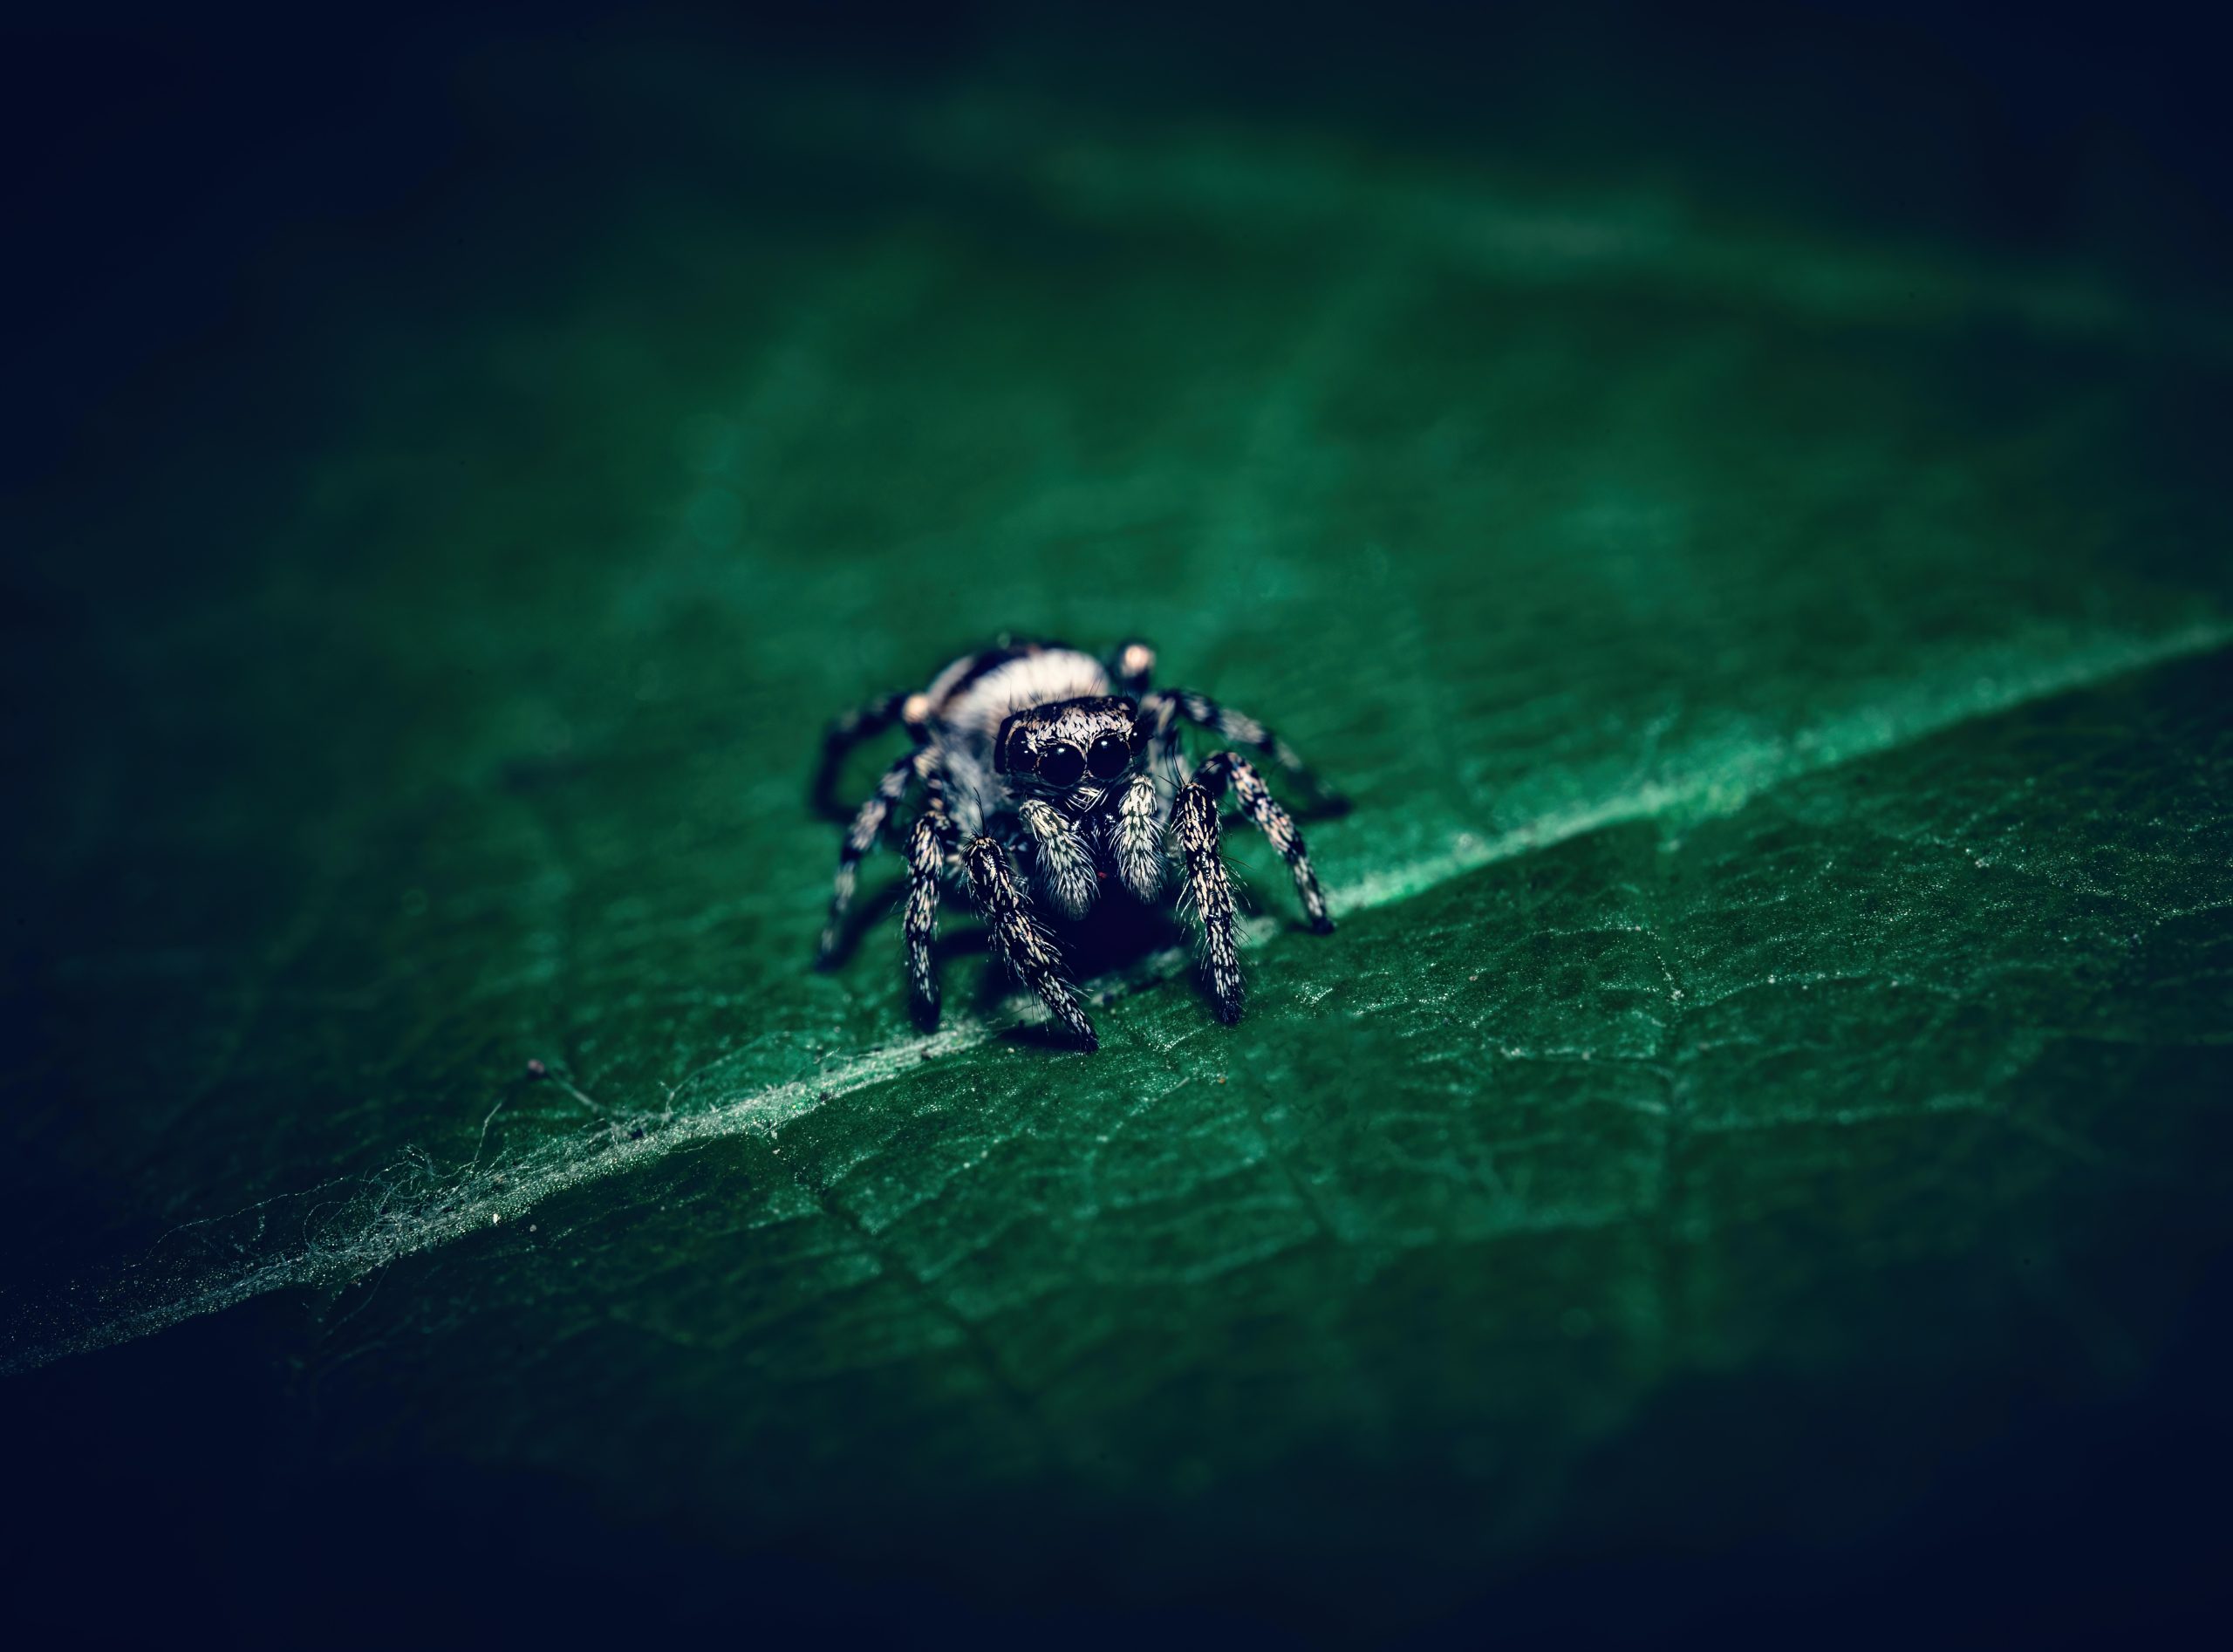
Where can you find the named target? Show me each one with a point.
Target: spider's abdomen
(974, 703)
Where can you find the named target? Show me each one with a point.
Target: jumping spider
(1041, 754)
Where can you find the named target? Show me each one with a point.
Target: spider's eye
(1062, 764)
(1109, 755)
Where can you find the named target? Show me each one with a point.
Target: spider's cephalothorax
(1036, 755)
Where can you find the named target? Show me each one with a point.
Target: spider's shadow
(867, 912)
(881, 907)
(1117, 934)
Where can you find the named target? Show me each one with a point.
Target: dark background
(155, 152)
(154, 158)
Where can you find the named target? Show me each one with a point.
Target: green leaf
(1783, 973)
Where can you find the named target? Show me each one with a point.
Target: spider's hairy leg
(860, 838)
(845, 732)
(925, 861)
(1139, 838)
(933, 840)
(1194, 825)
(1067, 874)
(1278, 828)
(1162, 714)
(1131, 665)
(1019, 941)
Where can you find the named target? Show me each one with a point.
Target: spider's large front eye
(1062, 764)
(1109, 755)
